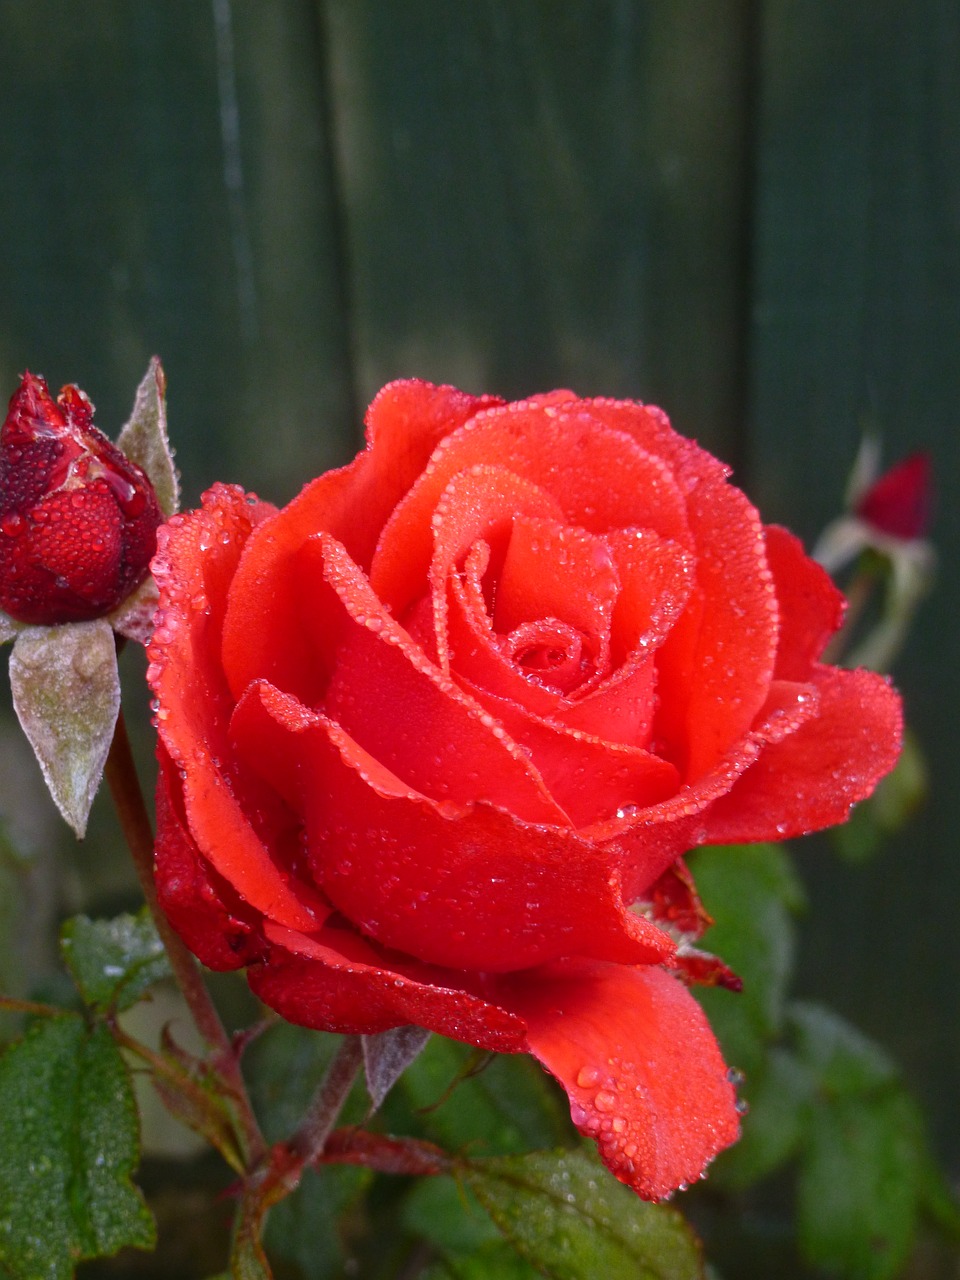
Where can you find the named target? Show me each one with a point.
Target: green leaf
(780, 1098)
(751, 891)
(306, 1227)
(842, 1060)
(68, 1145)
(508, 1105)
(494, 1261)
(66, 693)
(859, 1184)
(144, 439)
(573, 1221)
(445, 1213)
(113, 962)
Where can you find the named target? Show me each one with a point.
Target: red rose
(434, 737)
(78, 520)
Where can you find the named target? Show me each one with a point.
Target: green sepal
(144, 439)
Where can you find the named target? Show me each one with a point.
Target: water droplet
(588, 1076)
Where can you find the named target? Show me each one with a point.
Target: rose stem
(317, 1125)
(121, 774)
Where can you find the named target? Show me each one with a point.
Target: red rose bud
(899, 503)
(78, 520)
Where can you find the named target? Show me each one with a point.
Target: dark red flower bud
(899, 503)
(78, 520)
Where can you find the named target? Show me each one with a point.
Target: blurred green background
(746, 212)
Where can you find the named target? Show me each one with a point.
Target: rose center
(551, 652)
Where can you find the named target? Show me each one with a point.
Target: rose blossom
(434, 737)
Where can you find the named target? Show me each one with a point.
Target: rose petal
(263, 633)
(650, 428)
(557, 571)
(479, 504)
(590, 777)
(601, 478)
(811, 607)
(191, 894)
(338, 981)
(475, 654)
(195, 563)
(648, 841)
(639, 1062)
(406, 713)
(457, 886)
(812, 778)
(716, 665)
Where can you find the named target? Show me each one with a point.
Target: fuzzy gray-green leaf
(66, 693)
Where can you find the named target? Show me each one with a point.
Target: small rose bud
(78, 520)
(898, 503)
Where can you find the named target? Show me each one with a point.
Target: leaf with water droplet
(568, 1217)
(113, 962)
(387, 1055)
(751, 891)
(68, 1145)
(144, 439)
(66, 693)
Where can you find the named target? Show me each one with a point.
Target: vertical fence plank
(135, 222)
(543, 194)
(857, 321)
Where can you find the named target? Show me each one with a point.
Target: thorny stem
(317, 1125)
(121, 774)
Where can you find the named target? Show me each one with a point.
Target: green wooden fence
(747, 211)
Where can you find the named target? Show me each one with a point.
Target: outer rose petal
(337, 981)
(188, 890)
(639, 1062)
(263, 633)
(461, 887)
(716, 664)
(812, 778)
(197, 558)
(811, 607)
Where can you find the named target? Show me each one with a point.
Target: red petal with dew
(640, 1065)
(411, 717)
(336, 980)
(811, 607)
(192, 895)
(589, 777)
(481, 504)
(195, 563)
(717, 663)
(812, 778)
(463, 887)
(263, 635)
(600, 477)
